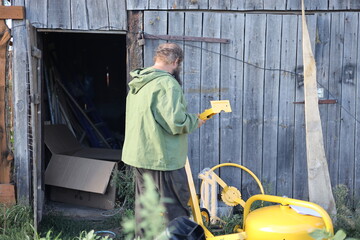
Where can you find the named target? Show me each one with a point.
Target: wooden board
(98, 15)
(231, 88)
(59, 14)
(254, 55)
(348, 95)
(7, 194)
(117, 15)
(5, 164)
(154, 23)
(285, 158)
(12, 12)
(158, 4)
(335, 73)
(21, 98)
(37, 12)
(357, 129)
(300, 186)
(192, 84)
(271, 101)
(210, 90)
(79, 15)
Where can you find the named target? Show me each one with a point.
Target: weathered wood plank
(36, 12)
(275, 5)
(309, 5)
(348, 93)
(322, 53)
(197, 4)
(219, 4)
(20, 98)
(58, 15)
(285, 161)
(158, 4)
(254, 53)
(98, 15)
(254, 4)
(176, 25)
(300, 186)
(231, 88)
(137, 4)
(334, 115)
(340, 4)
(357, 133)
(155, 22)
(271, 101)
(79, 20)
(177, 4)
(134, 51)
(192, 84)
(12, 12)
(117, 15)
(210, 86)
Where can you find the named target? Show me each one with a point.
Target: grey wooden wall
(278, 5)
(77, 14)
(259, 73)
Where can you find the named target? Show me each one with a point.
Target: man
(157, 124)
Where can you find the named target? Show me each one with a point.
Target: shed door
(34, 59)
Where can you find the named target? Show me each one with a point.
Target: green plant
(124, 182)
(15, 222)
(348, 212)
(320, 234)
(152, 221)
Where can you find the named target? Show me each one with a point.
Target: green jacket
(157, 122)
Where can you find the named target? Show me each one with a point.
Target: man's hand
(201, 122)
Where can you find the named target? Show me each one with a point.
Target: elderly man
(157, 125)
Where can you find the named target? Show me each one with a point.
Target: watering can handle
(287, 201)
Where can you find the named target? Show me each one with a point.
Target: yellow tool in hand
(216, 107)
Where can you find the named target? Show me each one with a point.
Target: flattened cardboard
(95, 200)
(78, 173)
(60, 140)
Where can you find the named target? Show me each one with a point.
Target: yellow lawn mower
(289, 219)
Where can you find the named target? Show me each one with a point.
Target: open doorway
(84, 95)
(91, 70)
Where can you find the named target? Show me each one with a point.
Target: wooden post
(318, 173)
(134, 50)
(7, 191)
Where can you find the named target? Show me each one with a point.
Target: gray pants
(170, 185)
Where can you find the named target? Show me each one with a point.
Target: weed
(152, 221)
(15, 222)
(124, 182)
(348, 212)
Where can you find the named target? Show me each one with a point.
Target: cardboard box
(76, 174)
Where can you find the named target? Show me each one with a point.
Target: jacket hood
(143, 76)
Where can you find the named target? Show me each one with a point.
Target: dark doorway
(85, 74)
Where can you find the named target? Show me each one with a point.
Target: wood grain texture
(58, 15)
(98, 15)
(192, 84)
(231, 85)
(254, 53)
(285, 160)
(117, 15)
(271, 101)
(79, 18)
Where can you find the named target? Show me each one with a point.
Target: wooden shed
(246, 51)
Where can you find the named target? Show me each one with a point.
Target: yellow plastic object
(216, 107)
(280, 222)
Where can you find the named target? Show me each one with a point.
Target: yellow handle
(207, 114)
(287, 201)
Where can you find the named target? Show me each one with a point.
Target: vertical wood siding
(266, 131)
(242, 4)
(77, 15)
